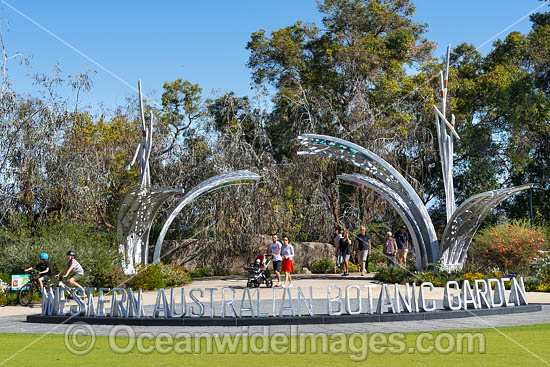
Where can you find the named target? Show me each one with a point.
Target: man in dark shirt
(402, 239)
(363, 249)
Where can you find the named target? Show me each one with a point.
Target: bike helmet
(44, 256)
(71, 253)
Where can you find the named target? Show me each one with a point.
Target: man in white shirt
(274, 249)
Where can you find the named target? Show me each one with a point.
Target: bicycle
(28, 290)
(33, 287)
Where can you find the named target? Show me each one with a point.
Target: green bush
(393, 274)
(322, 266)
(173, 276)
(9, 298)
(376, 257)
(96, 251)
(202, 272)
(148, 277)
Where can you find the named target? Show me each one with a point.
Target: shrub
(473, 276)
(9, 298)
(220, 272)
(322, 266)
(353, 268)
(376, 257)
(392, 274)
(173, 276)
(508, 248)
(543, 287)
(540, 266)
(202, 272)
(147, 277)
(96, 251)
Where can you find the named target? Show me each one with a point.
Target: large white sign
(122, 302)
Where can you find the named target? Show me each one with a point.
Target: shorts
(76, 277)
(277, 265)
(288, 265)
(363, 255)
(342, 258)
(45, 277)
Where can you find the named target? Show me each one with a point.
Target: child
(44, 269)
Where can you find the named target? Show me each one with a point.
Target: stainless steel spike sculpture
(205, 187)
(446, 145)
(141, 203)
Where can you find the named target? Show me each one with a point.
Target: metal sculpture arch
(451, 254)
(141, 204)
(399, 205)
(465, 222)
(135, 219)
(212, 184)
(328, 146)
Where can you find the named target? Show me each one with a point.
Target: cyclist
(44, 269)
(73, 267)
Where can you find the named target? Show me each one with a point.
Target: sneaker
(290, 285)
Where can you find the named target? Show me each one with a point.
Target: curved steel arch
(332, 147)
(399, 205)
(212, 184)
(135, 218)
(465, 222)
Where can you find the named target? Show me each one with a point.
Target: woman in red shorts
(287, 252)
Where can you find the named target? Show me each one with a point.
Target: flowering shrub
(473, 276)
(543, 287)
(508, 248)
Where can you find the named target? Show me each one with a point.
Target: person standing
(337, 237)
(402, 239)
(287, 253)
(344, 248)
(363, 249)
(390, 249)
(336, 243)
(274, 250)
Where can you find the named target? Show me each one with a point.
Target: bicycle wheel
(25, 294)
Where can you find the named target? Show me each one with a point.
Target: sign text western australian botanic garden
(352, 300)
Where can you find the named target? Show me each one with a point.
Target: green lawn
(499, 350)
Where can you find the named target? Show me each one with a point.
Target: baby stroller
(258, 273)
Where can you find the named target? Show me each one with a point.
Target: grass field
(510, 346)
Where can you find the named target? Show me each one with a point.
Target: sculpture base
(285, 320)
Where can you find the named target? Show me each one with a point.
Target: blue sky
(201, 41)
